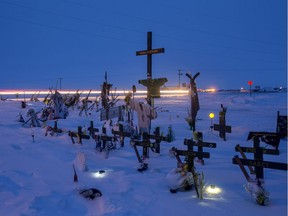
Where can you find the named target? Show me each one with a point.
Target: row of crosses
(104, 142)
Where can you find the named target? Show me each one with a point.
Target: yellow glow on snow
(212, 189)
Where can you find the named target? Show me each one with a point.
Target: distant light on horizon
(138, 94)
(208, 90)
(28, 92)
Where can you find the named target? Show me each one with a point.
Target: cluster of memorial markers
(141, 136)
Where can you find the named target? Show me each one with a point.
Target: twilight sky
(228, 41)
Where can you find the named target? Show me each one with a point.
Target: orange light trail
(43, 92)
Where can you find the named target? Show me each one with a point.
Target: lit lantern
(212, 189)
(99, 174)
(211, 116)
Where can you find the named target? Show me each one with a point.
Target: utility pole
(60, 83)
(179, 74)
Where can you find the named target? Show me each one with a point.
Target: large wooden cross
(258, 163)
(189, 154)
(200, 144)
(149, 52)
(153, 85)
(145, 143)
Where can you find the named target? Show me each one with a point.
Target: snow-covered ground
(36, 178)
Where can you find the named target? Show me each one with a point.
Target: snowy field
(36, 178)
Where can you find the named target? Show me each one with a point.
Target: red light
(250, 82)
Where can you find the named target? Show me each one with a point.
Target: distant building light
(207, 90)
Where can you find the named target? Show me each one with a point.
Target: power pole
(179, 74)
(60, 83)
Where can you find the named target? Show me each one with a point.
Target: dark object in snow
(143, 167)
(75, 178)
(91, 193)
(173, 190)
(23, 104)
(181, 189)
(171, 135)
(101, 171)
